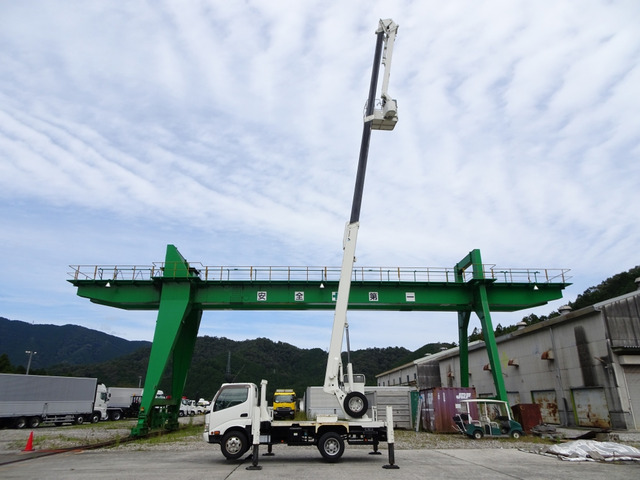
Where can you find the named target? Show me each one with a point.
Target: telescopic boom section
(350, 390)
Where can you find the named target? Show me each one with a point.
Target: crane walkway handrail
(318, 274)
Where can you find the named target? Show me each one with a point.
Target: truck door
(232, 402)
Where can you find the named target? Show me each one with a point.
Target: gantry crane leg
(174, 338)
(480, 305)
(463, 341)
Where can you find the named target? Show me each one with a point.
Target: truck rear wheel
(234, 445)
(356, 404)
(20, 422)
(34, 422)
(115, 415)
(331, 446)
(79, 420)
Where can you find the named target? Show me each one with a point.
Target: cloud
(233, 130)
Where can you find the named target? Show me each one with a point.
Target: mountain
(66, 344)
(217, 360)
(72, 350)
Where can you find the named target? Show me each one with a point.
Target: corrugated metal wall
(439, 405)
(623, 323)
(400, 400)
(429, 375)
(317, 402)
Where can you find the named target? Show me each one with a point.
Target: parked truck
(189, 408)
(123, 402)
(29, 400)
(284, 403)
(240, 418)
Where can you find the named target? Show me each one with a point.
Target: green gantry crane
(180, 291)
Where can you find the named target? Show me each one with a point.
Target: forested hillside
(612, 287)
(218, 360)
(54, 344)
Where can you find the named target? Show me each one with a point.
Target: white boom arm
(334, 373)
(350, 393)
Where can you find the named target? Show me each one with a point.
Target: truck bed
(329, 420)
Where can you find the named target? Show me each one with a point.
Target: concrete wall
(568, 365)
(565, 365)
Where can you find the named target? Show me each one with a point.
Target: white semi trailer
(29, 400)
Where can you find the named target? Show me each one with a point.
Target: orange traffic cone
(29, 446)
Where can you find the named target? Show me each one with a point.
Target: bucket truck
(240, 415)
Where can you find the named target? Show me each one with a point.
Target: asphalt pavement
(305, 462)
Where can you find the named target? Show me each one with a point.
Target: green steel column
(177, 325)
(463, 339)
(463, 318)
(182, 356)
(482, 310)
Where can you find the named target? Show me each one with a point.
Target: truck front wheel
(355, 404)
(234, 445)
(331, 446)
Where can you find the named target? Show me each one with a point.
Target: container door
(590, 407)
(548, 405)
(632, 374)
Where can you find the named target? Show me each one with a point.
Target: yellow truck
(284, 403)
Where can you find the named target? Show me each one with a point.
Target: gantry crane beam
(432, 296)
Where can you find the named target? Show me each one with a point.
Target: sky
(232, 130)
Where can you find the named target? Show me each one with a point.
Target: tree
(5, 364)
(612, 287)
(476, 335)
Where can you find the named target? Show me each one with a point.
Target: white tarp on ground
(591, 450)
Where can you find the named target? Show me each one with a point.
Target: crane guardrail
(319, 274)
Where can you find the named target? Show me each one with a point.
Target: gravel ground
(51, 438)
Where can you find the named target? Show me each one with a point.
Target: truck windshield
(230, 397)
(284, 398)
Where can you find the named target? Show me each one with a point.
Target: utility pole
(31, 354)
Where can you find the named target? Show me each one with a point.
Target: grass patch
(187, 432)
(412, 439)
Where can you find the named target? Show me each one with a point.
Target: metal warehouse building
(582, 368)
